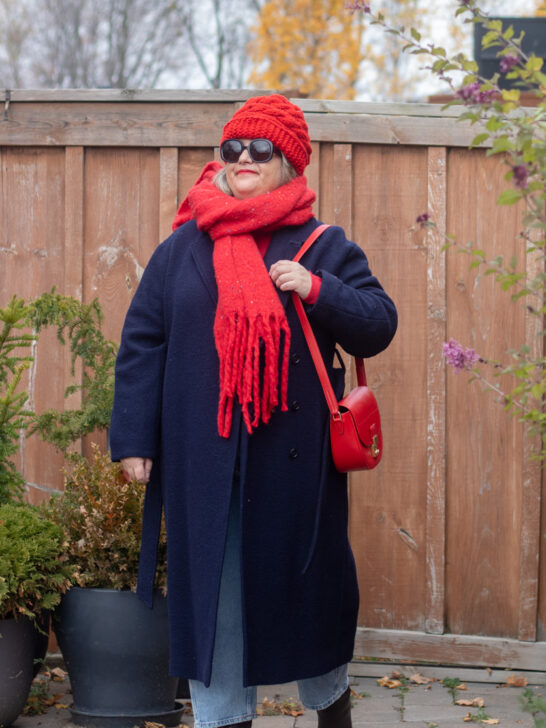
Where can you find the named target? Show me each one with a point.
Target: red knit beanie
(277, 119)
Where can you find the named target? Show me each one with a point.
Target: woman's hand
(137, 469)
(290, 276)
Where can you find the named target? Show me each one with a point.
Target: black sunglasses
(259, 150)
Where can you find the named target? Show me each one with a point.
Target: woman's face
(250, 179)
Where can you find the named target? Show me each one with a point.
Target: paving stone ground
(374, 706)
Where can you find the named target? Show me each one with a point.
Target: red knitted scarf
(249, 311)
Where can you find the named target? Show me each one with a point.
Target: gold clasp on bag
(375, 446)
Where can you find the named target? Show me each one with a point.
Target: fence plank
(168, 189)
(450, 649)
(484, 517)
(436, 431)
(388, 505)
(531, 488)
(156, 124)
(73, 254)
(343, 187)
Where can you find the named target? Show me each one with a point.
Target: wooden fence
(449, 531)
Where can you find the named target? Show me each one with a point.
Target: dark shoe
(246, 724)
(337, 715)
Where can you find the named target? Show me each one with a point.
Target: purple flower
(507, 63)
(424, 221)
(458, 357)
(474, 95)
(358, 5)
(521, 174)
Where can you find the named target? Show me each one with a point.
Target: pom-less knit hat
(277, 119)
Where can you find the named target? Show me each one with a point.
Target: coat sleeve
(135, 421)
(352, 304)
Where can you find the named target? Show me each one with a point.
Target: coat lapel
(201, 250)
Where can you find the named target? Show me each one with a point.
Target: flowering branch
(518, 134)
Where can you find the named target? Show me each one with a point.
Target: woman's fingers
(290, 276)
(137, 468)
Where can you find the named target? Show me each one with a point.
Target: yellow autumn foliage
(312, 46)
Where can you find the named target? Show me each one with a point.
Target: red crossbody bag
(355, 424)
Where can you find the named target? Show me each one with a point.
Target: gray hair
(287, 173)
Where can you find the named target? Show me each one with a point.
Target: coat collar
(284, 244)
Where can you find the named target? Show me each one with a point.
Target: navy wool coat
(299, 587)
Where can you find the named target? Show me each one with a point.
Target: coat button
(294, 453)
(295, 358)
(295, 405)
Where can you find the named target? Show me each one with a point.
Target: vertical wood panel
(121, 227)
(313, 175)
(484, 477)
(531, 489)
(436, 444)
(388, 505)
(343, 188)
(190, 166)
(31, 262)
(168, 190)
(73, 253)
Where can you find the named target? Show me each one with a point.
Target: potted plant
(116, 650)
(101, 519)
(34, 573)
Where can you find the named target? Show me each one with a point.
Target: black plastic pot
(116, 652)
(17, 649)
(41, 641)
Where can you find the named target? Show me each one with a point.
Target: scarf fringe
(249, 353)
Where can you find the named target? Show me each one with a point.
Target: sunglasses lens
(231, 150)
(260, 150)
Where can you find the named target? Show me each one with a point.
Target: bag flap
(362, 405)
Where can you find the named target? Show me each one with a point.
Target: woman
(219, 408)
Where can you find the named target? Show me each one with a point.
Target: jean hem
(226, 722)
(327, 703)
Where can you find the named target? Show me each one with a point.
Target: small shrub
(33, 567)
(101, 515)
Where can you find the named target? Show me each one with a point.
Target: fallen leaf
(58, 673)
(395, 674)
(516, 681)
(468, 718)
(61, 706)
(357, 696)
(489, 670)
(419, 679)
(462, 686)
(490, 721)
(471, 702)
(387, 682)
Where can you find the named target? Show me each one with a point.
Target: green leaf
(509, 197)
(534, 64)
(470, 66)
(415, 34)
(479, 139)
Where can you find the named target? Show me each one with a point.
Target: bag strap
(318, 361)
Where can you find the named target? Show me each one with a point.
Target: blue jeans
(226, 701)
